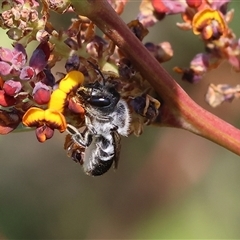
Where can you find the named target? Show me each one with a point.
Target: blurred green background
(170, 183)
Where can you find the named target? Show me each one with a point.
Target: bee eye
(99, 101)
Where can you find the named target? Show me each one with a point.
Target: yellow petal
(33, 117)
(57, 101)
(71, 80)
(55, 120)
(206, 16)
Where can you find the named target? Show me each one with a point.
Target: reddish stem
(179, 110)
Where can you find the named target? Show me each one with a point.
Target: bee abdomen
(100, 168)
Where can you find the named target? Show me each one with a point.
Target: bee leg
(89, 125)
(88, 137)
(71, 129)
(77, 136)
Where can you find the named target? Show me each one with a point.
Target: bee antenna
(98, 70)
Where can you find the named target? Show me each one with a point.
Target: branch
(178, 110)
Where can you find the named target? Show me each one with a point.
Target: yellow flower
(210, 23)
(36, 117)
(70, 81)
(52, 118)
(57, 101)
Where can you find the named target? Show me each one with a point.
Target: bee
(107, 118)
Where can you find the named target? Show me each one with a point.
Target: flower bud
(27, 73)
(41, 93)
(12, 87)
(75, 106)
(194, 3)
(162, 51)
(6, 100)
(44, 133)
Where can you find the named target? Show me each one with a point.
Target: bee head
(102, 98)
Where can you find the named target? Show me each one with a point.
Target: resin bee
(107, 117)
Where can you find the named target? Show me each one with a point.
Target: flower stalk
(178, 109)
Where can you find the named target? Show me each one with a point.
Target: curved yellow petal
(71, 80)
(55, 120)
(206, 16)
(57, 101)
(33, 117)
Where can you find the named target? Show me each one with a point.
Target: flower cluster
(18, 79)
(32, 97)
(221, 93)
(29, 93)
(210, 22)
(207, 19)
(46, 120)
(22, 20)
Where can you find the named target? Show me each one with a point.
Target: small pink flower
(41, 93)
(11, 87)
(27, 73)
(6, 54)
(6, 100)
(194, 3)
(169, 7)
(5, 68)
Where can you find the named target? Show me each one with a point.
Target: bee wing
(117, 147)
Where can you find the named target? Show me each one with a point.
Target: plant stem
(178, 110)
